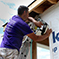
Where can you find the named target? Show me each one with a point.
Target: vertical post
(34, 50)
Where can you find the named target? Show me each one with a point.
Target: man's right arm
(39, 38)
(37, 23)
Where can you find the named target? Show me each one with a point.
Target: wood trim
(53, 1)
(38, 10)
(39, 6)
(35, 5)
(34, 50)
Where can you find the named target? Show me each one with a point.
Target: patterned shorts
(6, 53)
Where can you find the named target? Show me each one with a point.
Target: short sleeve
(24, 28)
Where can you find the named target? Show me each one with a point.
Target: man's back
(14, 32)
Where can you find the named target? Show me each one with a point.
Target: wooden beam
(35, 5)
(53, 1)
(40, 5)
(34, 50)
(38, 10)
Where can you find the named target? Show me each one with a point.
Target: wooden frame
(34, 50)
(39, 6)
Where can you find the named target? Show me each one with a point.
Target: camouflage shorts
(6, 53)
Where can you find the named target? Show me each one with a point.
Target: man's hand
(48, 32)
(41, 37)
(38, 24)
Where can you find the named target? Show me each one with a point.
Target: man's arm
(37, 23)
(39, 38)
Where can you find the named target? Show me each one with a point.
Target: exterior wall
(51, 16)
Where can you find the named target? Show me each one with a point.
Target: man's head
(23, 12)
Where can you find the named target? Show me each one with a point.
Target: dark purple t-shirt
(14, 32)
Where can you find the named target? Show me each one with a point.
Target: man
(14, 32)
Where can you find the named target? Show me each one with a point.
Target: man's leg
(6, 53)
